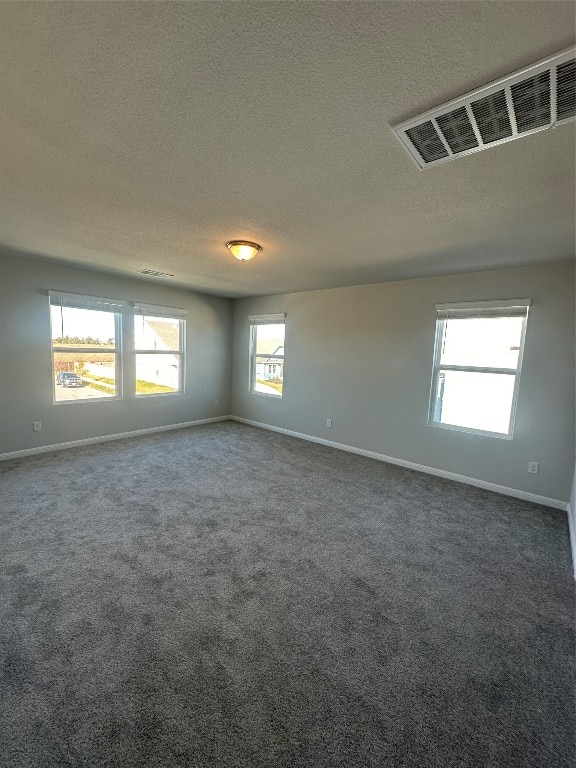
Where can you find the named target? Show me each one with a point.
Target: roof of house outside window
(167, 333)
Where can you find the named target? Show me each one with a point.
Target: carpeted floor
(228, 597)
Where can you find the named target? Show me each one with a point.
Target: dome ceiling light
(243, 250)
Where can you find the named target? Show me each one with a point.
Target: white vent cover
(533, 99)
(153, 273)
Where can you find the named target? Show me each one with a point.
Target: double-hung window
(159, 340)
(267, 354)
(477, 362)
(86, 360)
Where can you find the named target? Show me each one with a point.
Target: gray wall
(363, 357)
(25, 358)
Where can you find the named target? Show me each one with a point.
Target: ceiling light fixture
(243, 249)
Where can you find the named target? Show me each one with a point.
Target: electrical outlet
(37, 426)
(533, 467)
(328, 423)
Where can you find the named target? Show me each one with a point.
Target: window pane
(157, 374)
(270, 339)
(84, 375)
(482, 341)
(82, 327)
(161, 333)
(474, 400)
(268, 375)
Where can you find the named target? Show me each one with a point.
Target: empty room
(287, 384)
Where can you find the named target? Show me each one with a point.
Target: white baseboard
(107, 438)
(572, 529)
(525, 495)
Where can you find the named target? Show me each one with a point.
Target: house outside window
(477, 364)
(86, 359)
(159, 339)
(267, 354)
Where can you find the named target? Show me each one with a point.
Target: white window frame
(445, 312)
(255, 321)
(172, 313)
(80, 301)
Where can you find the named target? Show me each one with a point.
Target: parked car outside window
(69, 379)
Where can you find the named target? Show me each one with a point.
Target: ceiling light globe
(243, 249)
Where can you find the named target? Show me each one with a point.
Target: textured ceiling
(145, 135)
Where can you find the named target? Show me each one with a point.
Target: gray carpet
(224, 596)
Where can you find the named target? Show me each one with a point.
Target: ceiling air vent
(491, 115)
(153, 273)
(533, 99)
(457, 130)
(566, 90)
(427, 142)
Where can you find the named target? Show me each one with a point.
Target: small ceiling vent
(533, 99)
(153, 273)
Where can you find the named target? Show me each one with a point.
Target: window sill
(471, 431)
(144, 396)
(87, 400)
(266, 394)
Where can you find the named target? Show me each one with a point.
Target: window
(85, 347)
(477, 361)
(159, 345)
(267, 354)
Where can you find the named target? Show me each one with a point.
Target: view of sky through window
(476, 372)
(81, 323)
